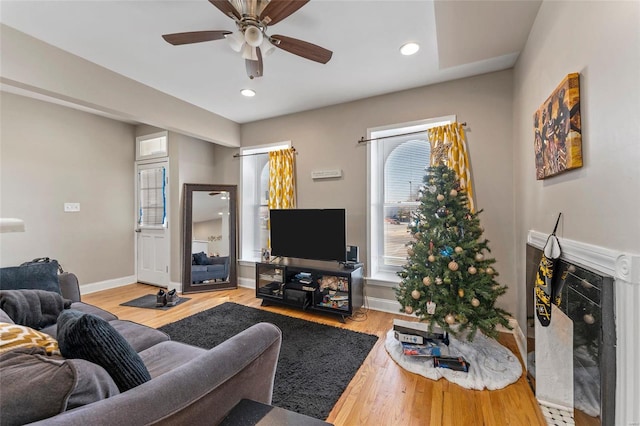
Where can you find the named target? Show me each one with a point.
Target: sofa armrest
(200, 392)
(69, 286)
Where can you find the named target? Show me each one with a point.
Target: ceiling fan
(252, 17)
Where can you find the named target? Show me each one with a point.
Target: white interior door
(152, 240)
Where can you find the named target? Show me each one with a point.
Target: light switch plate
(71, 207)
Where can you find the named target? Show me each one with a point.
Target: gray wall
(194, 161)
(327, 139)
(601, 200)
(51, 155)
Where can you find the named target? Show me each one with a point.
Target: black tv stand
(326, 287)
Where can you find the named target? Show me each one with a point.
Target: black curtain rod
(259, 153)
(363, 140)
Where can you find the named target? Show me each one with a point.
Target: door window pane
(152, 210)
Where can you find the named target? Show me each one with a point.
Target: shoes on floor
(172, 298)
(161, 299)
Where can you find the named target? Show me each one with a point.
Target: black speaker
(352, 254)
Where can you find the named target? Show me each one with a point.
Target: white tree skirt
(492, 366)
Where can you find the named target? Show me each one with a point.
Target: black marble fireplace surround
(588, 300)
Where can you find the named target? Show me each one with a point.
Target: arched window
(404, 170)
(398, 157)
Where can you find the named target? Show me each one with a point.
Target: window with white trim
(152, 146)
(397, 163)
(254, 232)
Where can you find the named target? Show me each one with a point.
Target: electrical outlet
(71, 207)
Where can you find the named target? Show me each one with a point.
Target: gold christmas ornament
(475, 302)
(462, 319)
(410, 252)
(458, 249)
(408, 309)
(479, 257)
(426, 281)
(431, 258)
(450, 319)
(461, 292)
(415, 294)
(472, 270)
(438, 280)
(453, 193)
(589, 319)
(453, 265)
(417, 235)
(489, 271)
(440, 197)
(480, 270)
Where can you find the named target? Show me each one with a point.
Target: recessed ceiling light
(248, 93)
(409, 48)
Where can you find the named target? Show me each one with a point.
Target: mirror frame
(187, 238)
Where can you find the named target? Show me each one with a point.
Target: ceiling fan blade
(254, 68)
(303, 48)
(194, 37)
(225, 7)
(277, 10)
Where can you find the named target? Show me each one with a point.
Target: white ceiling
(457, 38)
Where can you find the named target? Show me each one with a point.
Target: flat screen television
(318, 234)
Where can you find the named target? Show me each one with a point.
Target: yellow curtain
(448, 148)
(282, 193)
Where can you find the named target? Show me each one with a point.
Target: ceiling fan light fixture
(410, 48)
(253, 36)
(249, 53)
(266, 48)
(249, 93)
(236, 40)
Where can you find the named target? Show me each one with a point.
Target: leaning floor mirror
(209, 238)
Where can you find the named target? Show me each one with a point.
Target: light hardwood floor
(381, 393)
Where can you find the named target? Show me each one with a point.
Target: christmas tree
(448, 279)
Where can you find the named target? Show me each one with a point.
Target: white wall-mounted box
(326, 174)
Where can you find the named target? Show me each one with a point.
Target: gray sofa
(205, 268)
(188, 385)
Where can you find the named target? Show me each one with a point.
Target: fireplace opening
(581, 337)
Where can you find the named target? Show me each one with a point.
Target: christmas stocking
(544, 278)
(558, 286)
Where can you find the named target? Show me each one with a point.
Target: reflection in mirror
(209, 237)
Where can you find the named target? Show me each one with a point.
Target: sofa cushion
(215, 268)
(167, 356)
(92, 338)
(199, 268)
(92, 384)
(201, 258)
(219, 260)
(36, 386)
(15, 336)
(39, 276)
(139, 336)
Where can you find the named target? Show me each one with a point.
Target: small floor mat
(149, 301)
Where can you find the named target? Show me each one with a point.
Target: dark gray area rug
(316, 362)
(149, 301)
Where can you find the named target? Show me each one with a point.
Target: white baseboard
(247, 282)
(106, 285)
(384, 305)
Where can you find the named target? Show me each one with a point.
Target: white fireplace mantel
(625, 268)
